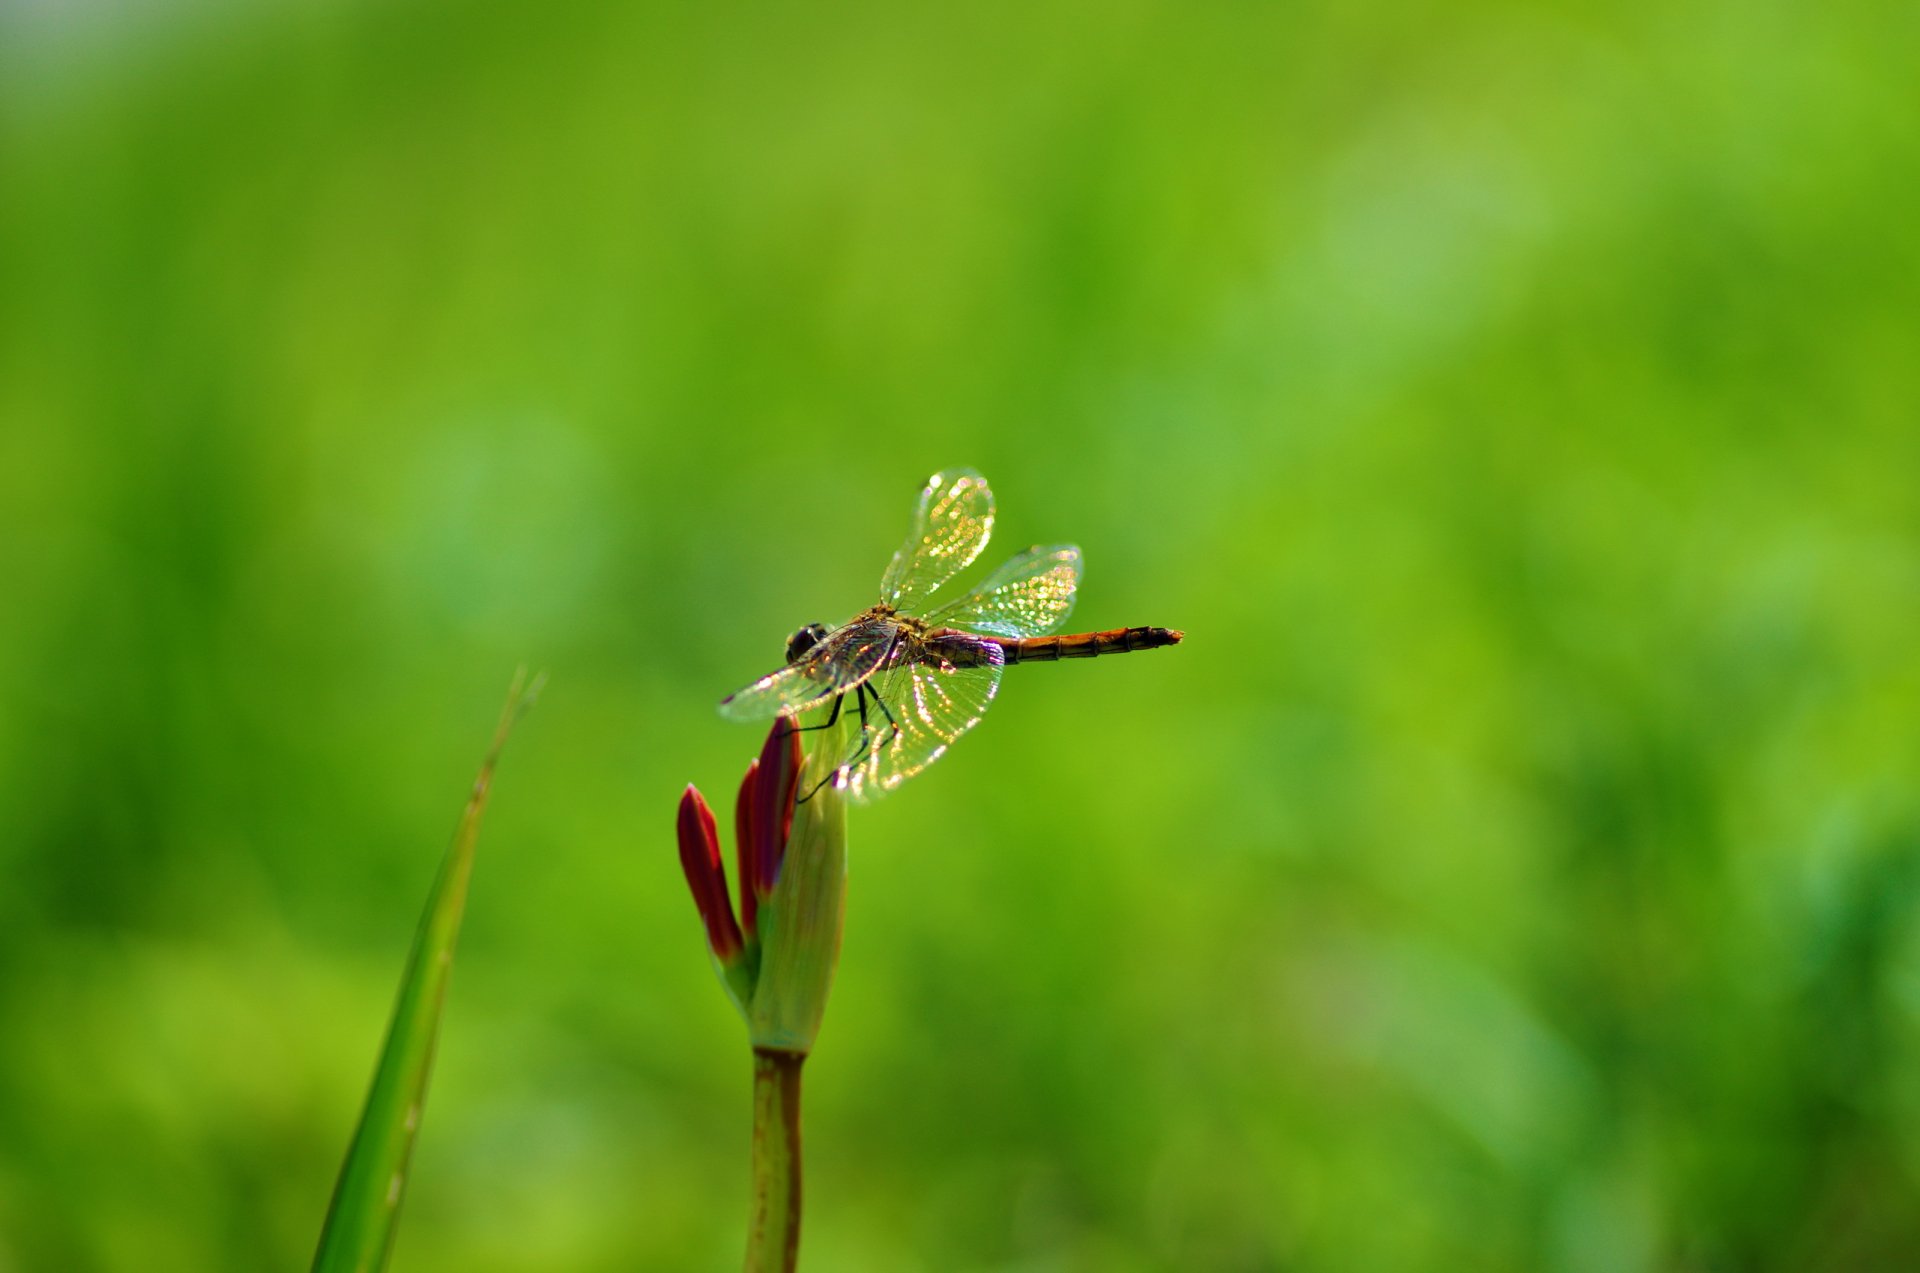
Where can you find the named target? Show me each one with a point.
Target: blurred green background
(1517, 869)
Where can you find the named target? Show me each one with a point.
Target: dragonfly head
(804, 640)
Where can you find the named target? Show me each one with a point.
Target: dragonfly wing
(1030, 596)
(951, 525)
(926, 704)
(848, 656)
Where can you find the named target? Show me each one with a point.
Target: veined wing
(848, 656)
(951, 524)
(926, 703)
(1030, 596)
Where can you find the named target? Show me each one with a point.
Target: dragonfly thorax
(804, 640)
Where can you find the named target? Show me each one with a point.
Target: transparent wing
(925, 704)
(848, 656)
(1030, 596)
(951, 525)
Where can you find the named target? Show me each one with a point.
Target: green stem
(773, 1245)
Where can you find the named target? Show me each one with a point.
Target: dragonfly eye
(804, 640)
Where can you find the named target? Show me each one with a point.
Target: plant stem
(773, 1245)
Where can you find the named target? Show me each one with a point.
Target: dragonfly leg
(881, 703)
(860, 693)
(831, 719)
(816, 787)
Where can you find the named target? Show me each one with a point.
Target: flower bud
(707, 876)
(777, 961)
(801, 920)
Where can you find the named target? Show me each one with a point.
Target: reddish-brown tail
(1085, 645)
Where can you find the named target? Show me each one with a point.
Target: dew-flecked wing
(951, 525)
(927, 704)
(1030, 596)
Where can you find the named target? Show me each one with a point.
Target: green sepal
(739, 977)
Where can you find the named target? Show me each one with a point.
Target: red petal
(746, 845)
(706, 876)
(774, 790)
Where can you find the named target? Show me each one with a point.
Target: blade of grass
(362, 1217)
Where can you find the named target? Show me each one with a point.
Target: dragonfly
(919, 678)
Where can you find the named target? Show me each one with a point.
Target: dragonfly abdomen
(1082, 645)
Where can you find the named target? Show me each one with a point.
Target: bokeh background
(1517, 869)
